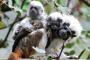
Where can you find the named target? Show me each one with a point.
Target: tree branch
(87, 2)
(71, 6)
(10, 28)
(22, 3)
(68, 2)
(81, 53)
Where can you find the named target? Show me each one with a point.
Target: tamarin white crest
(62, 27)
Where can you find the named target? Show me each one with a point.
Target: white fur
(38, 4)
(43, 41)
(38, 49)
(74, 24)
(41, 47)
(56, 15)
(56, 44)
(15, 30)
(25, 23)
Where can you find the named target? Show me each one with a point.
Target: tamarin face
(34, 12)
(54, 22)
(64, 32)
(62, 26)
(58, 28)
(35, 9)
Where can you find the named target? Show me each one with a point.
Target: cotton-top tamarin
(30, 33)
(35, 13)
(62, 28)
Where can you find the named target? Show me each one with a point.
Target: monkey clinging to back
(30, 33)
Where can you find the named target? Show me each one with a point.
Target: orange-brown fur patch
(15, 55)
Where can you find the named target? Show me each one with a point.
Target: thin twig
(10, 28)
(61, 49)
(71, 6)
(22, 3)
(78, 56)
(81, 53)
(58, 57)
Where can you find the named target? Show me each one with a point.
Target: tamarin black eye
(66, 24)
(49, 19)
(73, 32)
(59, 20)
(73, 35)
(31, 7)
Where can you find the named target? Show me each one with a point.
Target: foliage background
(12, 11)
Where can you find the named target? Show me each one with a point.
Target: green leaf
(88, 56)
(88, 34)
(19, 13)
(72, 52)
(85, 55)
(48, 8)
(83, 32)
(78, 41)
(63, 3)
(25, 6)
(26, 2)
(0, 18)
(88, 47)
(69, 45)
(17, 3)
(5, 45)
(58, 1)
(2, 25)
(39, 0)
(49, 58)
(88, 17)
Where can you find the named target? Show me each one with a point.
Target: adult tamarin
(62, 28)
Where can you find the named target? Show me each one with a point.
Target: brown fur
(25, 46)
(24, 49)
(15, 55)
(37, 24)
(27, 42)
